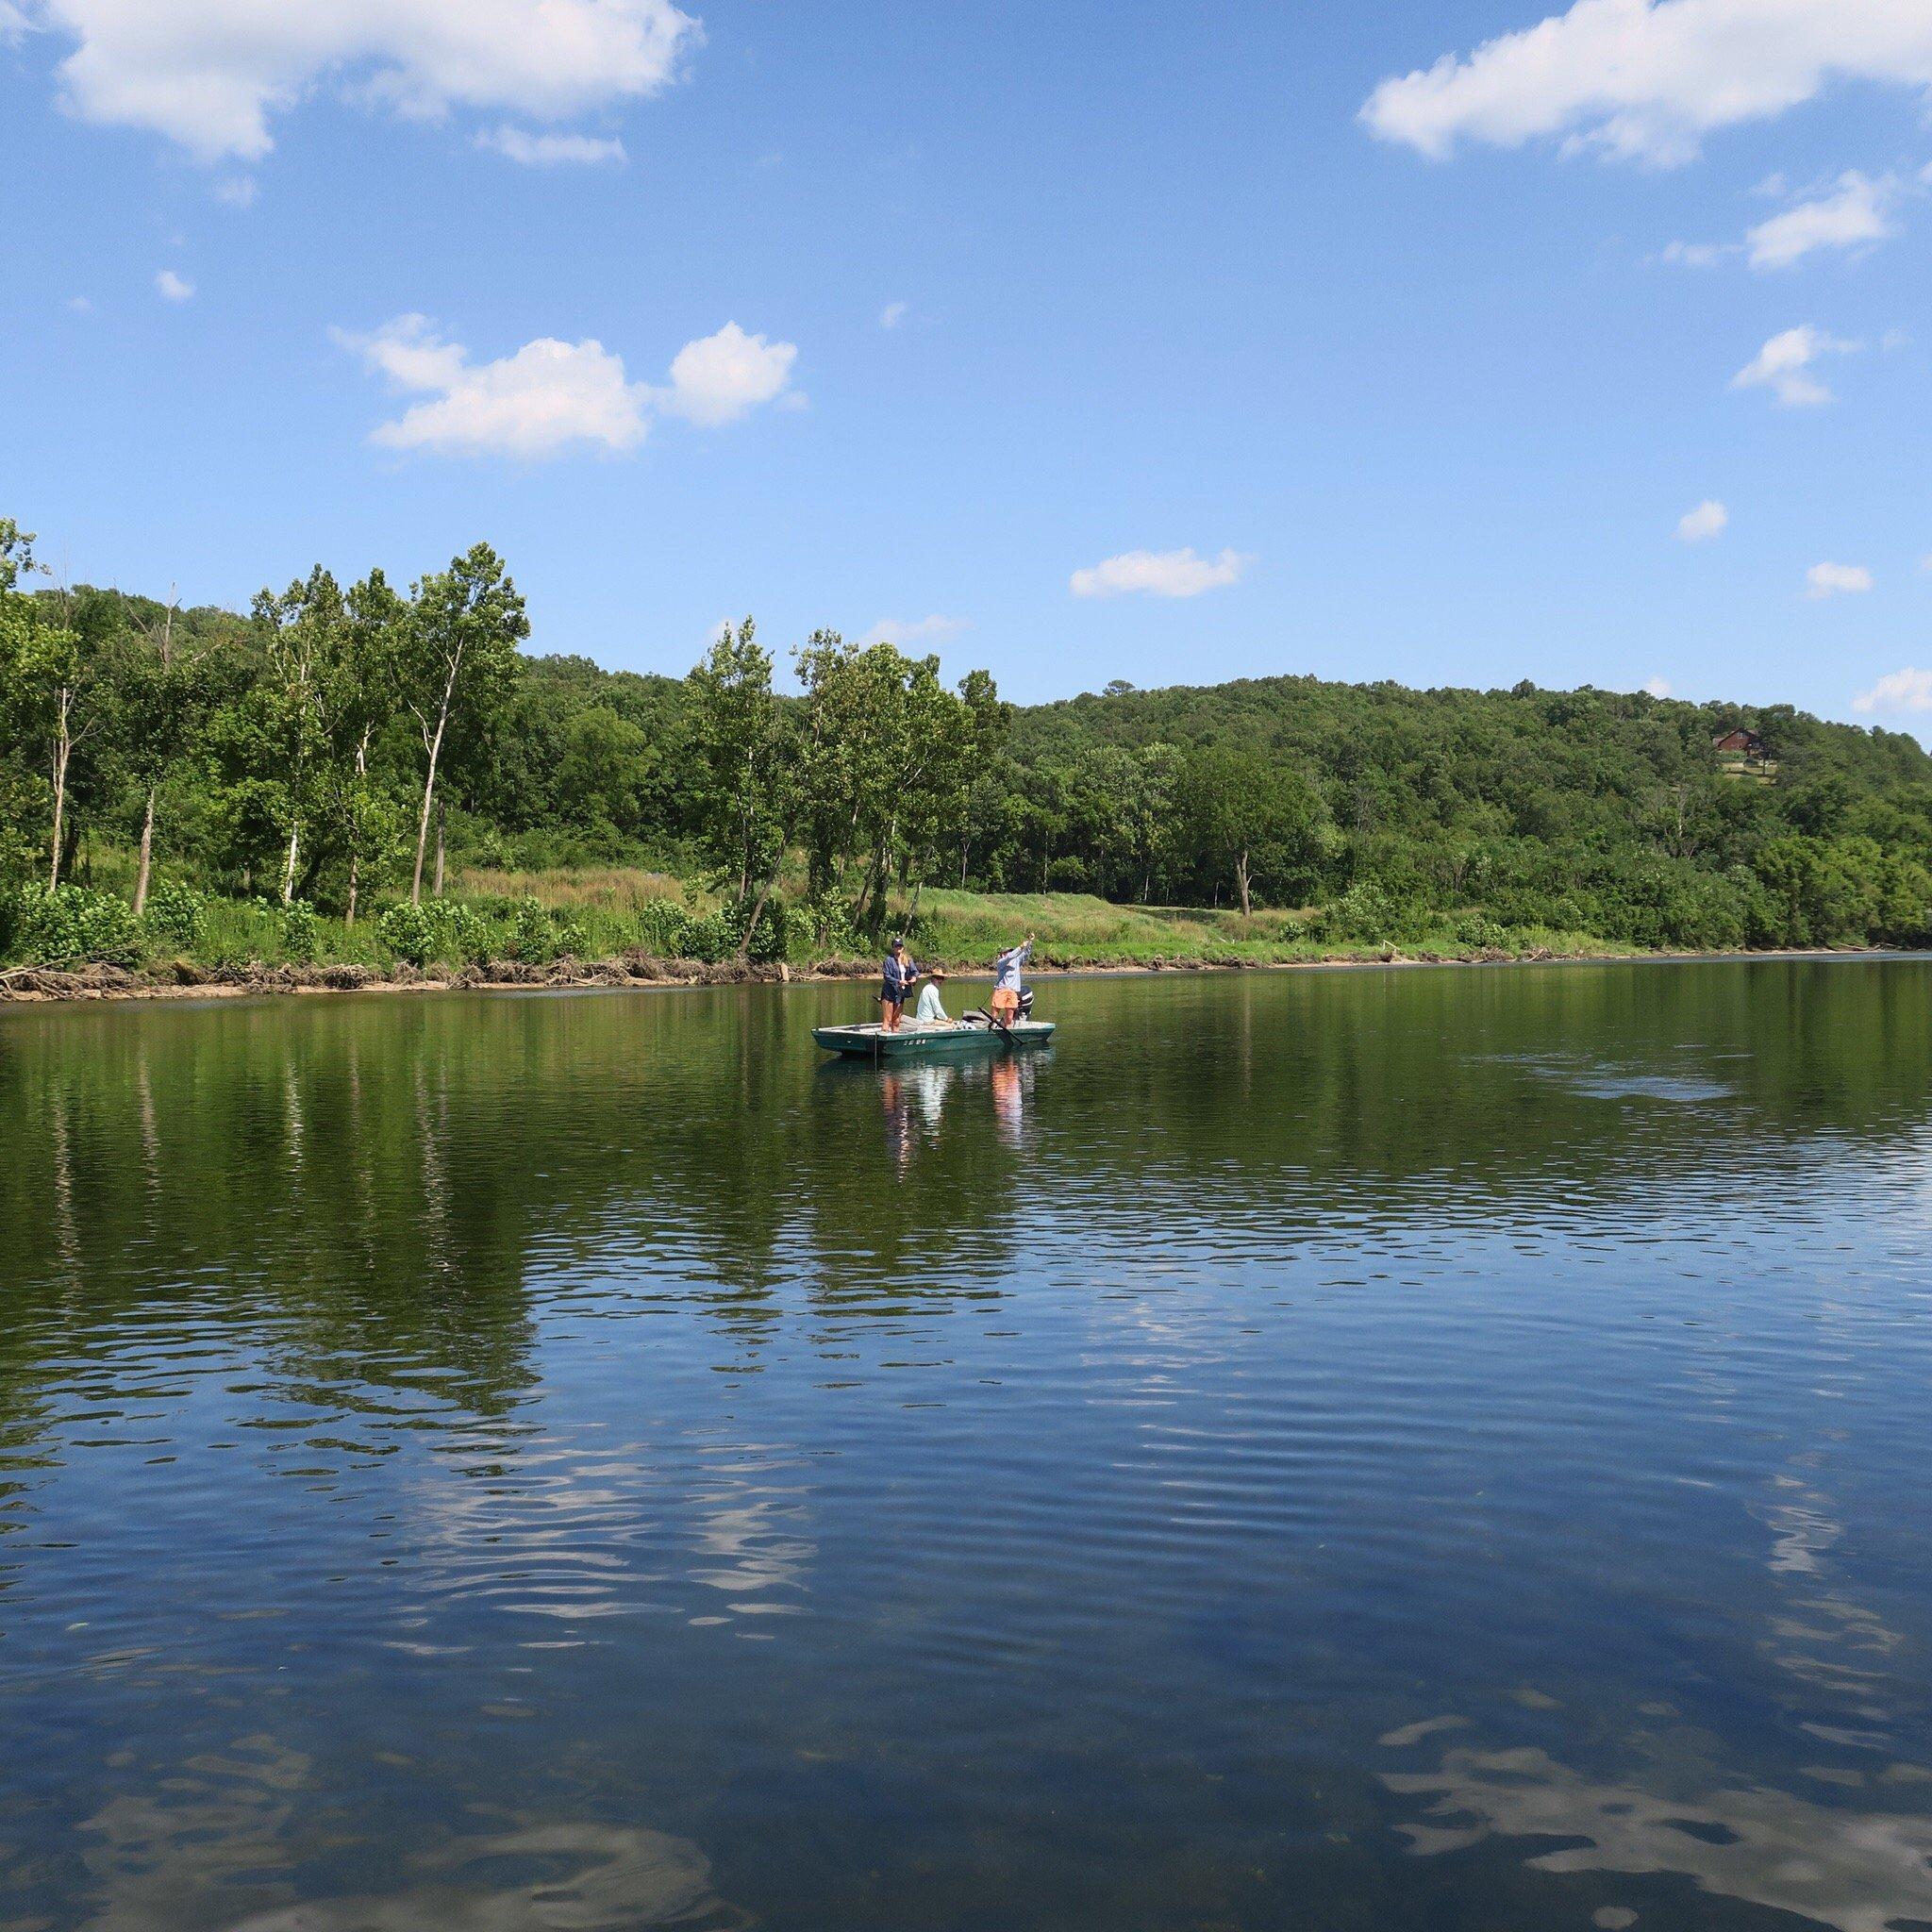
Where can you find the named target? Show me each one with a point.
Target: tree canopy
(328, 747)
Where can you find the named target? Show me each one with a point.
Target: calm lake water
(1396, 1450)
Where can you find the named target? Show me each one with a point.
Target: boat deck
(953, 1036)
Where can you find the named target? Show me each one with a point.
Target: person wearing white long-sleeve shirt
(931, 1013)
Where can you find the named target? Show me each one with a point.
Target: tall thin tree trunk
(147, 855)
(288, 869)
(438, 891)
(1241, 873)
(758, 913)
(355, 824)
(423, 823)
(64, 750)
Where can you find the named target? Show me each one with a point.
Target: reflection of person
(1005, 1005)
(1010, 1098)
(898, 1112)
(900, 973)
(930, 1011)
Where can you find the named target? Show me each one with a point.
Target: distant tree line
(338, 744)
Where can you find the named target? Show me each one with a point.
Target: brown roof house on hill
(1744, 753)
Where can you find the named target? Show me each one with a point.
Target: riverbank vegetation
(385, 777)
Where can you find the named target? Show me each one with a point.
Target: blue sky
(976, 322)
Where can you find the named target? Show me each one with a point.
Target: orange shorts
(1005, 1001)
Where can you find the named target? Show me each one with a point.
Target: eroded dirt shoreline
(30, 986)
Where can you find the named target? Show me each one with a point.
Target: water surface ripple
(1381, 1449)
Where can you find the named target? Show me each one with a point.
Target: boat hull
(874, 1043)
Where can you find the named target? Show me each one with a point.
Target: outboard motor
(1026, 1003)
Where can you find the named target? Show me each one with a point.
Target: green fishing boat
(955, 1036)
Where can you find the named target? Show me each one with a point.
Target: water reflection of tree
(373, 1192)
(376, 1185)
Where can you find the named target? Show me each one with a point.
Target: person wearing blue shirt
(900, 971)
(1004, 1005)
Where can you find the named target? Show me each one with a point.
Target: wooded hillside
(343, 748)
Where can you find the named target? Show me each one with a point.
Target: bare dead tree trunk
(440, 847)
(1241, 874)
(289, 870)
(356, 823)
(165, 646)
(433, 744)
(63, 751)
(147, 855)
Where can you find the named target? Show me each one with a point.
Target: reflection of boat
(956, 1036)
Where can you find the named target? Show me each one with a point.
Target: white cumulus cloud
(1649, 79)
(547, 397)
(1160, 574)
(1836, 579)
(551, 150)
(889, 630)
(892, 315)
(1910, 689)
(1700, 525)
(211, 75)
(719, 378)
(1856, 212)
(1657, 687)
(1784, 365)
(173, 287)
(551, 397)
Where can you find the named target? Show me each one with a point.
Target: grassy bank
(575, 927)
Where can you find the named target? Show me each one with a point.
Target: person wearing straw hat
(931, 1013)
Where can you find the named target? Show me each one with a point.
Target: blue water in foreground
(1381, 1449)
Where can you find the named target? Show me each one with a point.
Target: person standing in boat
(1005, 1005)
(931, 1012)
(900, 971)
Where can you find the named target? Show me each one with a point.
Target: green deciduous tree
(459, 664)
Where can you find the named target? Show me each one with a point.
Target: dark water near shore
(1349, 1450)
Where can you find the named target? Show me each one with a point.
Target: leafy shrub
(572, 938)
(442, 929)
(778, 930)
(709, 936)
(74, 925)
(921, 934)
(461, 936)
(1365, 915)
(661, 925)
(531, 937)
(409, 932)
(829, 915)
(1480, 932)
(176, 914)
(299, 932)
